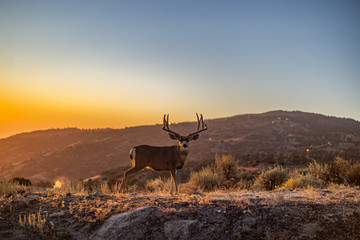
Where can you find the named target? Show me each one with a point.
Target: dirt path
(307, 214)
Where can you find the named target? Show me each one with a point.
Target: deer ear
(172, 136)
(195, 137)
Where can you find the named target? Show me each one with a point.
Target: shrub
(317, 170)
(336, 171)
(74, 187)
(10, 188)
(159, 185)
(206, 178)
(353, 174)
(303, 182)
(227, 167)
(271, 179)
(21, 181)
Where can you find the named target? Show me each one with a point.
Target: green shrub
(206, 178)
(271, 179)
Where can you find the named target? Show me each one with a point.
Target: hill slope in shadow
(288, 138)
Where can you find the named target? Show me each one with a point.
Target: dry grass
(12, 188)
(34, 221)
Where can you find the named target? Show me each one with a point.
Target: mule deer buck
(169, 158)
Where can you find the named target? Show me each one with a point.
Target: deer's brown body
(169, 158)
(146, 156)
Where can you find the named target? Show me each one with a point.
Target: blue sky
(132, 61)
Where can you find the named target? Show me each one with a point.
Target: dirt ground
(305, 214)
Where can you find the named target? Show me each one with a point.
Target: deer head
(184, 140)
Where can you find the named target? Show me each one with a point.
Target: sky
(99, 64)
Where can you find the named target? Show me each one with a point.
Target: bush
(206, 178)
(271, 179)
(336, 171)
(353, 174)
(10, 188)
(227, 167)
(74, 187)
(159, 185)
(303, 182)
(21, 181)
(316, 170)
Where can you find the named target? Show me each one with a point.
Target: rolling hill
(258, 140)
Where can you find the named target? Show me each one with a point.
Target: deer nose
(185, 145)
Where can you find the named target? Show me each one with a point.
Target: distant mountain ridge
(289, 138)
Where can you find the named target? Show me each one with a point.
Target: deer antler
(166, 126)
(200, 121)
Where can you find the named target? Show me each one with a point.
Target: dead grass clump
(34, 221)
(74, 187)
(11, 188)
(271, 179)
(191, 189)
(158, 185)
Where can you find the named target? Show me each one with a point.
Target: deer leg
(174, 181)
(127, 174)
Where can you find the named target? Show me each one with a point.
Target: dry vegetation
(274, 204)
(284, 175)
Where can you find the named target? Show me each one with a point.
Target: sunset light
(191, 119)
(116, 64)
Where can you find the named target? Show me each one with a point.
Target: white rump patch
(133, 153)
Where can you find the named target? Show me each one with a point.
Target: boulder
(129, 225)
(182, 229)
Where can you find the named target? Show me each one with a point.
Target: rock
(309, 230)
(250, 221)
(128, 225)
(57, 214)
(19, 235)
(182, 229)
(32, 198)
(97, 194)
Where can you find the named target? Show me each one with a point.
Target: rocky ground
(306, 214)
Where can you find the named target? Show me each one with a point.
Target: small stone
(57, 214)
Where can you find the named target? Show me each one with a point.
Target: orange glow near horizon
(24, 113)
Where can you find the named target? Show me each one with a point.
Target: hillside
(258, 140)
